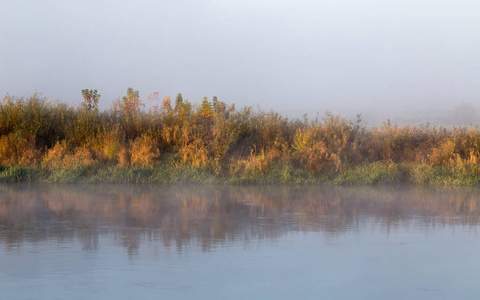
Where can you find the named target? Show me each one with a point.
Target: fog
(379, 58)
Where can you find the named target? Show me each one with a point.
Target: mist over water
(122, 241)
(348, 57)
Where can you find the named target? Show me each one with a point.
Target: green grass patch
(457, 175)
(371, 174)
(374, 173)
(22, 174)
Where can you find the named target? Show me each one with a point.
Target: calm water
(217, 242)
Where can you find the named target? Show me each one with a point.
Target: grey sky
(294, 56)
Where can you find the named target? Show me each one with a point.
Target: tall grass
(216, 142)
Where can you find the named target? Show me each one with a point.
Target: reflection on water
(241, 221)
(209, 215)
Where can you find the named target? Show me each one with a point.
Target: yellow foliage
(124, 157)
(15, 149)
(194, 154)
(54, 156)
(112, 144)
(311, 151)
(443, 153)
(82, 157)
(59, 157)
(257, 163)
(144, 151)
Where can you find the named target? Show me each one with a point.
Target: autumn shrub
(343, 140)
(442, 153)
(310, 151)
(407, 143)
(273, 130)
(223, 136)
(467, 142)
(144, 151)
(35, 117)
(62, 156)
(18, 150)
(333, 144)
(85, 127)
(243, 130)
(82, 157)
(255, 163)
(194, 153)
(111, 141)
(460, 145)
(55, 155)
(124, 157)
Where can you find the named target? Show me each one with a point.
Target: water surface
(217, 242)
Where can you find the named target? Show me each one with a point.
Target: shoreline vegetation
(46, 141)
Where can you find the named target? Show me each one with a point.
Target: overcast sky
(294, 56)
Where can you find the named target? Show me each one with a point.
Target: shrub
(144, 151)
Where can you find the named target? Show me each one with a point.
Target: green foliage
(178, 102)
(132, 101)
(21, 174)
(90, 99)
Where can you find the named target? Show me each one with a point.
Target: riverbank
(213, 142)
(372, 174)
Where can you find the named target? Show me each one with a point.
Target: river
(238, 242)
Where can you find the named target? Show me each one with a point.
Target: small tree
(178, 102)
(206, 109)
(91, 98)
(167, 104)
(215, 103)
(132, 101)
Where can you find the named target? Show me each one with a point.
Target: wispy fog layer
(381, 58)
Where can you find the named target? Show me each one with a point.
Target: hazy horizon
(297, 57)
